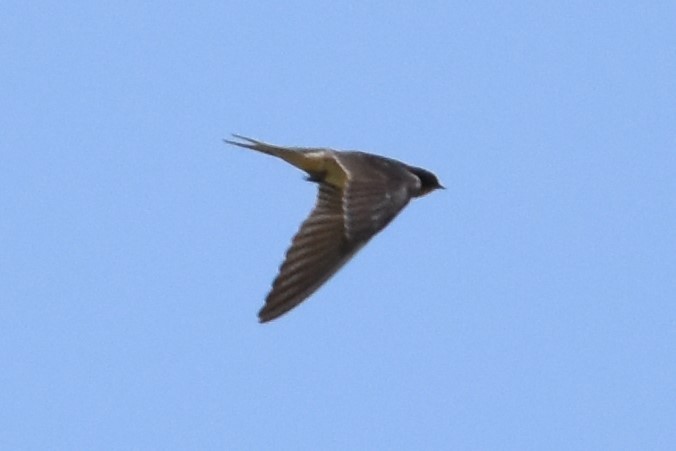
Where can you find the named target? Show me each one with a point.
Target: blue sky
(531, 305)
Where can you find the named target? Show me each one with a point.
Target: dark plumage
(359, 194)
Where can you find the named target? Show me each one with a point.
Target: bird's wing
(317, 251)
(370, 205)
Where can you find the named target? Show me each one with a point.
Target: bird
(359, 194)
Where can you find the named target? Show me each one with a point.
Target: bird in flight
(359, 194)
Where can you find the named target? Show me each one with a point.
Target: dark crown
(428, 181)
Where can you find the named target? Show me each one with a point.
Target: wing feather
(317, 251)
(370, 205)
(353, 206)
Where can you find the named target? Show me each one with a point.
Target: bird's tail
(260, 146)
(296, 156)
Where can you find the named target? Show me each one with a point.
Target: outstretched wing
(318, 250)
(376, 191)
(370, 205)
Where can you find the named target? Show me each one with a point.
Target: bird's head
(428, 181)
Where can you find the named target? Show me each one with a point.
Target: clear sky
(531, 305)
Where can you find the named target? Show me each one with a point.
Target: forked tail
(302, 158)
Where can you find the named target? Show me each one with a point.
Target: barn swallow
(359, 194)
